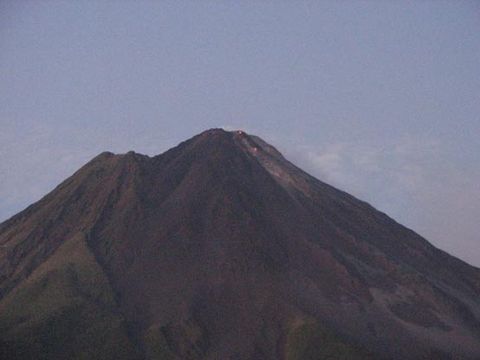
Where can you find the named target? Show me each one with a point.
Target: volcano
(220, 248)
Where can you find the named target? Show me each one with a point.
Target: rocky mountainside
(222, 249)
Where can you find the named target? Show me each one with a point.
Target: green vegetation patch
(309, 340)
(64, 310)
(185, 340)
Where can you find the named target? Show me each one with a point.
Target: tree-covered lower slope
(64, 310)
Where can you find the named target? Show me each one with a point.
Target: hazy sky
(379, 98)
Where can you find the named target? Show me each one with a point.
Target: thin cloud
(412, 180)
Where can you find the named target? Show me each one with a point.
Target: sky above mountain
(380, 99)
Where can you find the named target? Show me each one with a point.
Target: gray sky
(380, 98)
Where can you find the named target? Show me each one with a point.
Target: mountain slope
(65, 309)
(221, 248)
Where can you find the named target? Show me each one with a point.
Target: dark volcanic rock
(222, 249)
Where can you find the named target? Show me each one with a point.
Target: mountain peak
(250, 144)
(220, 133)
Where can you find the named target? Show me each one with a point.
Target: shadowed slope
(221, 248)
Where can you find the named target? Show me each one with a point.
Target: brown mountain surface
(222, 249)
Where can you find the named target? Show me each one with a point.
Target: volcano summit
(220, 248)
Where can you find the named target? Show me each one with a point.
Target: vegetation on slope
(64, 310)
(308, 340)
